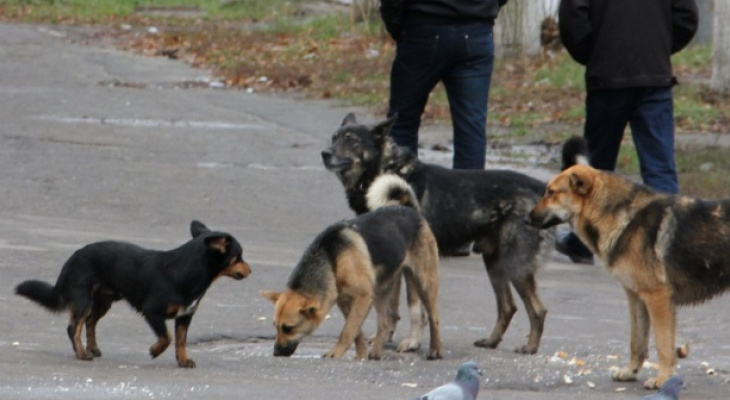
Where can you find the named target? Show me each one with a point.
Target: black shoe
(459, 251)
(572, 247)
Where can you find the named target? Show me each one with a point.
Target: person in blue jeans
(448, 41)
(626, 46)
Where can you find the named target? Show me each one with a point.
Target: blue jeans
(650, 113)
(460, 56)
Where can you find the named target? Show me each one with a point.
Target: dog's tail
(575, 151)
(42, 293)
(390, 190)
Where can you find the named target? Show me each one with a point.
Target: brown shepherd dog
(357, 264)
(665, 250)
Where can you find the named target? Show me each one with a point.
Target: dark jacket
(626, 43)
(396, 13)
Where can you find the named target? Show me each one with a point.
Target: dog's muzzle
(285, 351)
(238, 271)
(334, 163)
(542, 220)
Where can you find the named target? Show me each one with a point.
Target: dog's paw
(656, 382)
(156, 350)
(526, 349)
(653, 383)
(82, 355)
(487, 343)
(94, 351)
(624, 375)
(434, 354)
(375, 355)
(334, 353)
(188, 363)
(409, 344)
(159, 347)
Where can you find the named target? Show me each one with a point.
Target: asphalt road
(98, 144)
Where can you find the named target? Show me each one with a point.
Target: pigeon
(669, 390)
(464, 387)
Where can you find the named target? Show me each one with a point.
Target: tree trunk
(518, 27)
(364, 10)
(704, 30)
(721, 47)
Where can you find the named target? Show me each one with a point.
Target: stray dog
(665, 250)
(356, 264)
(158, 284)
(461, 206)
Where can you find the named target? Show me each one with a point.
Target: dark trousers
(460, 56)
(650, 114)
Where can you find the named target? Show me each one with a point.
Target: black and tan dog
(158, 284)
(356, 264)
(665, 250)
(484, 207)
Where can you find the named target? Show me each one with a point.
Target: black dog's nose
(326, 155)
(285, 351)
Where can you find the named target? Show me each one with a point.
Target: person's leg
(652, 127)
(607, 113)
(467, 87)
(417, 68)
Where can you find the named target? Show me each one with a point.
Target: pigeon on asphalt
(464, 387)
(669, 390)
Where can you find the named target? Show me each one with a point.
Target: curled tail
(42, 293)
(390, 190)
(575, 151)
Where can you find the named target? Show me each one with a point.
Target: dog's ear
(581, 181)
(401, 160)
(381, 130)
(271, 295)
(197, 228)
(309, 311)
(349, 119)
(218, 243)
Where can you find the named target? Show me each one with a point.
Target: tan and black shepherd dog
(665, 250)
(357, 264)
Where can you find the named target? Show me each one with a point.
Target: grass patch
(703, 172)
(627, 162)
(254, 10)
(326, 27)
(692, 112)
(696, 56)
(561, 72)
(100, 11)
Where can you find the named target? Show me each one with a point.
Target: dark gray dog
(461, 206)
